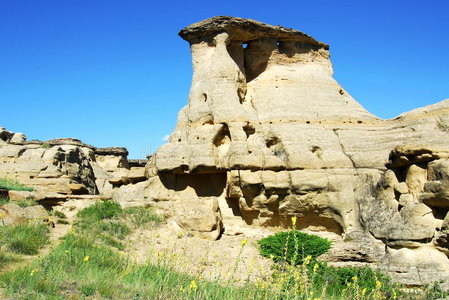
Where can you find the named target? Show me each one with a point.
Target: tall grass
(10, 184)
(85, 265)
(25, 238)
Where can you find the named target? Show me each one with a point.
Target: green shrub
(10, 184)
(24, 238)
(100, 211)
(293, 246)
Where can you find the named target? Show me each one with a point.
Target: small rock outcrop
(65, 169)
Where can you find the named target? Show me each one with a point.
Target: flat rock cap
(245, 30)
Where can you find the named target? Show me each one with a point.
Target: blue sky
(115, 73)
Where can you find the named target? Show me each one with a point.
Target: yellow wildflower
(378, 284)
(193, 285)
(244, 242)
(66, 251)
(294, 221)
(32, 272)
(121, 253)
(315, 268)
(86, 258)
(364, 292)
(307, 259)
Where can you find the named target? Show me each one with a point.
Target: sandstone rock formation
(269, 134)
(61, 170)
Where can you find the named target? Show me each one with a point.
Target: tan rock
(416, 178)
(202, 217)
(19, 195)
(11, 214)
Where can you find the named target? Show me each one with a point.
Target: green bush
(10, 184)
(293, 246)
(24, 238)
(101, 210)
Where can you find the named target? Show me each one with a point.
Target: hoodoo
(268, 134)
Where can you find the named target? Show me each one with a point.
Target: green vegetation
(58, 214)
(5, 259)
(89, 263)
(141, 216)
(4, 201)
(100, 211)
(26, 203)
(10, 184)
(24, 238)
(293, 246)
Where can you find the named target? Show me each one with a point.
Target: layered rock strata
(269, 134)
(62, 170)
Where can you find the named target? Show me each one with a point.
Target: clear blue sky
(115, 73)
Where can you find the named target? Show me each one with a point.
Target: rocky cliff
(268, 134)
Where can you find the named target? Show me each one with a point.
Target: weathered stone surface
(18, 138)
(115, 151)
(61, 166)
(279, 137)
(68, 141)
(11, 214)
(36, 212)
(202, 217)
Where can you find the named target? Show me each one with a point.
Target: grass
(4, 201)
(86, 264)
(6, 258)
(26, 203)
(142, 216)
(10, 184)
(24, 238)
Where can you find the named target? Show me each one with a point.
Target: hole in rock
(314, 221)
(203, 185)
(439, 212)
(249, 130)
(203, 97)
(222, 136)
(314, 149)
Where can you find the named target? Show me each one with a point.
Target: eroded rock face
(59, 168)
(280, 137)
